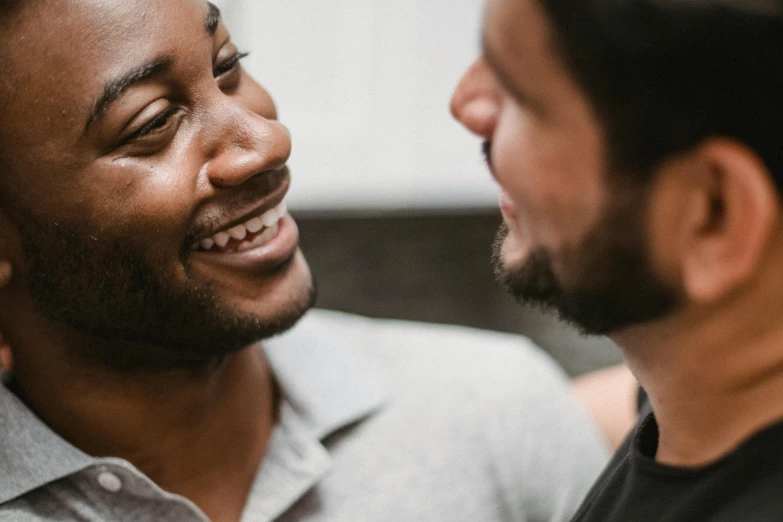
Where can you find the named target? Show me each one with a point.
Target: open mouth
(253, 233)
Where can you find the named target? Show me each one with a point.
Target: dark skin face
(136, 134)
(126, 329)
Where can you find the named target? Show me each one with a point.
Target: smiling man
(638, 145)
(145, 248)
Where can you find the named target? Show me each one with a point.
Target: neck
(198, 432)
(714, 378)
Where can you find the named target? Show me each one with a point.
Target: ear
(8, 248)
(730, 220)
(6, 273)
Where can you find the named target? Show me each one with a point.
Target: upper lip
(267, 202)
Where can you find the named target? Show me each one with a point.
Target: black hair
(8, 6)
(664, 75)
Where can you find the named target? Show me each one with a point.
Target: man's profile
(145, 249)
(638, 145)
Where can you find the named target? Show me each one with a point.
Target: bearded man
(145, 248)
(638, 145)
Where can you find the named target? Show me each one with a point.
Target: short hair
(664, 75)
(8, 6)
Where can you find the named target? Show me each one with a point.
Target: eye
(228, 65)
(153, 126)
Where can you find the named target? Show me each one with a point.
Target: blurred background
(396, 208)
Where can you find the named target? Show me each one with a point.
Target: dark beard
(139, 315)
(611, 284)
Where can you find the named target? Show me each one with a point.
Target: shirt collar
(31, 454)
(327, 386)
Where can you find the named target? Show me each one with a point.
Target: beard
(605, 284)
(140, 316)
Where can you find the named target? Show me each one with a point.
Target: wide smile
(257, 231)
(262, 240)
(263, 251)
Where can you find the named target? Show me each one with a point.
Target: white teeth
(270, 218)
(239, 232)
(262, 238)
(221, 239)
(254, 225)
(268, 234)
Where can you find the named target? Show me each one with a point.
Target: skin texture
(572, 237)
(134, 206)
(121, 334)
(706, 231)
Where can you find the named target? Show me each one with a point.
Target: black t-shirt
(745, 486)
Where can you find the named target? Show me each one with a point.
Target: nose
(477, 100)
(241, 144)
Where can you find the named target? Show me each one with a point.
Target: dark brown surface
(435, 268)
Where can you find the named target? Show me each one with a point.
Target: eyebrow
(504, 78)
(115, 88)
(213, 18)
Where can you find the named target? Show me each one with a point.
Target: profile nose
(244, 144)
(477, 100)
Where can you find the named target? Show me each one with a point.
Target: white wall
(364, 86)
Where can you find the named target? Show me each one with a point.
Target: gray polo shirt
(380, 421)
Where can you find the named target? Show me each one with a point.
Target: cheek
(144, 202)
(552, 177)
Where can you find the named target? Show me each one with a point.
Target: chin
(290, 292)
(513, 252)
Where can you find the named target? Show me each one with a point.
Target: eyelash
(161, 119)
(228, 64)
(154, 124)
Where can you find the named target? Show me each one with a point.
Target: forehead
(60, 53)
(71, 29)
(520, 46)
(517, 28)
(517, 43)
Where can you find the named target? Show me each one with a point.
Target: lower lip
(267, 257)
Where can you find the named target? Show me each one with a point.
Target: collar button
(110, 482)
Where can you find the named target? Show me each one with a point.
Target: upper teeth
(268, 219)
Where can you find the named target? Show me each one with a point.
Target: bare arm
(609, 395)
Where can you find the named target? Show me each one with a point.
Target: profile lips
(252, 233)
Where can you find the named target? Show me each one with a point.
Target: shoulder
(482, 360)
(479, 399)
(492, 368)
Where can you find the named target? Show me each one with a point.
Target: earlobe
(6, 273)
(740, 211)
(10, 249)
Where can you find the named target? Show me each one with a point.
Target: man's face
(574, 237)
(143, 174)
